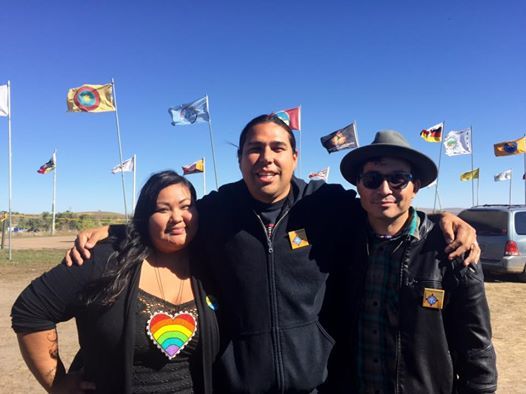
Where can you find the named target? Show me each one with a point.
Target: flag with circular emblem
(507, 148)
(91, 98)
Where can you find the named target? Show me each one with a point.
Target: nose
(384, 187)
(176, 215)
(267, 155)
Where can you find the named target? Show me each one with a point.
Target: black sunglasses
(396, 180)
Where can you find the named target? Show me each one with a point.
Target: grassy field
(31, 259)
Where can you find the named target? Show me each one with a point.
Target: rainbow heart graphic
(171, 333)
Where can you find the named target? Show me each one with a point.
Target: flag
(322, 174)
(507, 148)
(194, 112)
(503, 176)
(433, 134)
(458, 142)
(49, 166)
(292, 117)
(341, 139)
(4, 107)
(126, 166)
(194, 168)
(467, 176)
(91, 98)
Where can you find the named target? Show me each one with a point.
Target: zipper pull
(270, 248)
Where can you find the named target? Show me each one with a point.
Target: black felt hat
(389, 143)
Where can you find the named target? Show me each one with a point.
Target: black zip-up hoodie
(268, 294)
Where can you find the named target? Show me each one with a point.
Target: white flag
(4, 108)
(321, 175)
(458, 142)
(126, 166)
(503, 176)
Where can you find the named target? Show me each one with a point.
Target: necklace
(170, 333)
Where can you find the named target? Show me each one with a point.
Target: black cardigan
(106, 336)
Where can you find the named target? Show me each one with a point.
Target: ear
(295, 155)
(416, 185)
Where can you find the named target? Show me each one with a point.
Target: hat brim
(422, 167)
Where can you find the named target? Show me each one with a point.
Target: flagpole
(53, 200)
(120, 146)
(10, 156)
(134, 181)
(439, 159)
(478, 188)
(511, 176)
(356, 133)
(328, 170)
(524, 173)
(472, 179)
(301, 151)
(204, 176)
(212, 141)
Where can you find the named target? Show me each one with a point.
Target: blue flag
(194, 112)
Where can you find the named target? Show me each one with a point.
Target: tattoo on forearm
(53, 348)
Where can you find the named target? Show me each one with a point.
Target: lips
(176, 231)
(266, 176)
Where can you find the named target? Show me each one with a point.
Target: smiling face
(387, 207)
(267, 161)
(174, 221)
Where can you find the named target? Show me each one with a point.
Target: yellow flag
(507, 148)
(467, 176)
(91, 98)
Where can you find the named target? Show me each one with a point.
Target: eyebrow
(186, 199)
(272, 143)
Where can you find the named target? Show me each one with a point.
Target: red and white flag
(292, 117)
(322, 174)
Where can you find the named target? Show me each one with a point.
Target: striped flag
(433, 134)
(49, 166)
(321, 175)
(194, 168)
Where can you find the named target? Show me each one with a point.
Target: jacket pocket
(246, 366)
(305, 352)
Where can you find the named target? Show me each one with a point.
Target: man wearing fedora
(410, 320)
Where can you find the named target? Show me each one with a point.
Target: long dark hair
(136, 246)
(264, 119)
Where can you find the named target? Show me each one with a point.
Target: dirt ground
(506, 298)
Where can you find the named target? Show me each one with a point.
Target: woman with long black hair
(145, 324)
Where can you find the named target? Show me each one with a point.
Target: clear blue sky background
(405, 65)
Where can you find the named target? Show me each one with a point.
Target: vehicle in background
(501, 234)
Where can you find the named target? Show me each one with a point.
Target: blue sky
(401, 65)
